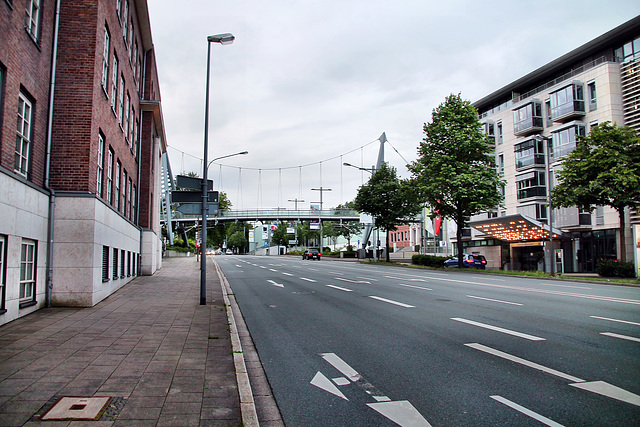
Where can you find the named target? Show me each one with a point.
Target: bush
(429, 260)
(615, 268)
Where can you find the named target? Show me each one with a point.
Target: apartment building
(534, 122)
(80, 172)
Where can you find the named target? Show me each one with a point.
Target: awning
(515, 228)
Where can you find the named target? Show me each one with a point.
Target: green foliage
(429, 260)
(603, 170)
(615, 268)
(279, 236)
(455, 172)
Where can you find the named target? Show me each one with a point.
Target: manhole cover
(77, 408)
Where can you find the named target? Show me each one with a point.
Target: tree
(347, 229)
(279, 237)
(387, 199)
(603, 170)
(455, 172)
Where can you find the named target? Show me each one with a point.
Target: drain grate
(80, 408)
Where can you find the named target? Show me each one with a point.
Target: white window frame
(124, 192)
(23, 135)
(127, 118)
(118, 8)
(117, 189)
(133, 203)
(121, 102)
(105, 59)
(100, 168)
(114, 83)
(32, 18)
(110, 176)
(27, 270)
(125, 19)
(129, 189)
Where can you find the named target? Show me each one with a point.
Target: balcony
(527, 119)
(529, 153)
(568, 103)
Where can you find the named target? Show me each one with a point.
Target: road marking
(314, 269)
(529, 413)
(604, 389)
(352, 281)
(498, 329)
(239, 266)
(341, 381)
(367, 278)
(280, 285)
(262, 266)
(494, 300)
(524, 362)
(624, 337)
(342, 366)
(615, 320)
(564, 286)
(287, 274)
(401, 304)
(308, 280)
(335, 272)
(271, 269)
(404, 278)
(339, 288)
(402, 413)
(325, 384)
(415, 287)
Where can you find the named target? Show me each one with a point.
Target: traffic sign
(183, 181)
(192, 197)
(196, 208)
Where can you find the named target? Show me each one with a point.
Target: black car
(311, 254)
(468, 261)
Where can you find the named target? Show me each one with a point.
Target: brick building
(79, 174)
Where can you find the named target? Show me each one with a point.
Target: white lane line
(335, 272)
(287, 274)
(342, 366)
(352, 281)
(239, 266)
(401, 304)
(262, 266)
(498, 329)
(624, 337)
(308, 280)
(615, 320)
(524, 362)
(415, 287)
(404, 278)
(608, 390)
(367, 278)
(271, 269)
(339, 288)
(527, 412)
(314, 269)
(564, 286)
(280, 285)
(494, 300)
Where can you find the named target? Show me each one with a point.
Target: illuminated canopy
(515, 228)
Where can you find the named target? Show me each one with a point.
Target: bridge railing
(277, 214)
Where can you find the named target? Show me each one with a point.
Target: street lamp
(228, 155)
(223, 39)
(371, 170)
(547, 149)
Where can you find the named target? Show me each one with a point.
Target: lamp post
(547, 149)
(223, 39)
(321, 190)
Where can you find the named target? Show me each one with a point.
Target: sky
(308, 85)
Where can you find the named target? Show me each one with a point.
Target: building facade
(535, 121)
(79, 172)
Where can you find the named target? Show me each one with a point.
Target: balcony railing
(528, 125)
(568, 110)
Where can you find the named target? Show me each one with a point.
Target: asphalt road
(353, 344)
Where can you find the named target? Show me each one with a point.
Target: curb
(247, 404)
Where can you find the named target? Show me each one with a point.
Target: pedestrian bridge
(274, 215)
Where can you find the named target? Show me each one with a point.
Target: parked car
(229, 252)
(468, 261)
(311, 254)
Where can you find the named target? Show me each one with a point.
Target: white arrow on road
(280, 285)
(402, 413)
(325, 384)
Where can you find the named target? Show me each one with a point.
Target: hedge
(429, 260)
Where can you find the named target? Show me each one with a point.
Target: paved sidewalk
(163, 358)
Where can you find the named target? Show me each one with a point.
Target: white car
(229, 252)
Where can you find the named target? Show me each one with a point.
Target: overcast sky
(307, 83)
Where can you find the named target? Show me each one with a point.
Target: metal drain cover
(77, 408)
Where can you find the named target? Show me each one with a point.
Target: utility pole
(321, 190)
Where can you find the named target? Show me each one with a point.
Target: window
(531, 184)
(489, 130)
(114, 271)
(105, 263)
(3, 246)
(125, 19)
(110, 176)
(133, 203)
(100, 168)
(114, 83)
(567, 102)
(130, 46)
(499, 127)
(23, 135)
(27, 270)
(529, 153)
(564, 140)
(124, 192)
(592, 96)
(132, 128)
(127, 118)
(135, 58)
(121, 102)
(122, 260)
(500, 163)
(527, 118)
(117, 189)
(128, 263)
(105, 60)
(129, 189)
(32, 23)
(118, 8)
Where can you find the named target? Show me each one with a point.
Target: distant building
(594, 83)
(79, 173)
(406, 236)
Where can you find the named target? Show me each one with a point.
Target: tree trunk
(459, 243)
(387, 249)
(622, 251)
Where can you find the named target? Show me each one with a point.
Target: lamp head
(223, 39)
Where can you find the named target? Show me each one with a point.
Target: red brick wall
(28, 67)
